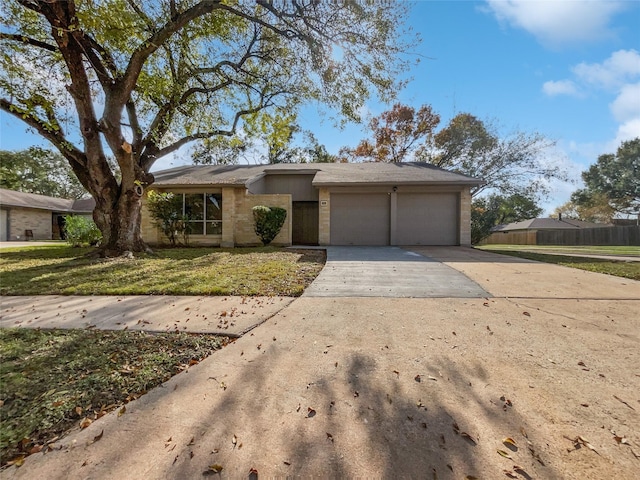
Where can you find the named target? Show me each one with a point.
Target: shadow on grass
(186, 271)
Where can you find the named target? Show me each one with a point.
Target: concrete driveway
(389, 272)
(335, 387)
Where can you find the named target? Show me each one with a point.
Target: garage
(360, 219)
(427, 219)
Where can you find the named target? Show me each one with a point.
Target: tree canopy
(399, 135)
(144, 78)
(41, 171)
(492, 210)
(613, 181)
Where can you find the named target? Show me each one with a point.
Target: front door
(305, 223)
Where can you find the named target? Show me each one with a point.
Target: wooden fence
(627, 235)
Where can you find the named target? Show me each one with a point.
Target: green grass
(182, 271)
(619, 269)
(53, 380)
(627, 251)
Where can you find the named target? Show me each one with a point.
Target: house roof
(547, 224)
(326, 174)
(12, 198)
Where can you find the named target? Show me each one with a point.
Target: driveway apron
(389, 272)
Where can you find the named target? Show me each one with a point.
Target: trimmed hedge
(268, 222)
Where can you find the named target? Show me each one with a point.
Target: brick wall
(465, 217)
(244, 233)
(237, 219)
(38, 221)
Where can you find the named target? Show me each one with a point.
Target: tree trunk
(119, 222)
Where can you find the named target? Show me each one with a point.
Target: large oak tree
(140, 79)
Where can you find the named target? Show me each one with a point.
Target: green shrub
(81, 231)
(268, 222)
(166, 211)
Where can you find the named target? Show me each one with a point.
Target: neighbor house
(28, 216)
(327, 203)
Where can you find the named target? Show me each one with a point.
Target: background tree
(511, 164)
(144, 78)
(614, 180)
(492, 210)
(397, 135)
(37, 170)
(596, 210)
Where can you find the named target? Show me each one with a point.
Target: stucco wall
(465, 217)
(38, 221)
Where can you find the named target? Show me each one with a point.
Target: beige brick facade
(237, 219)
(38, 221)
(324, 217)
(465, 217)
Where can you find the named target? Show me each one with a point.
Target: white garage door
(3, 225)
(359, 219)
(427, 219)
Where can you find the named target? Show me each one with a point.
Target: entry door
(305, 223)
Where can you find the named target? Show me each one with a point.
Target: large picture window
(203, 212)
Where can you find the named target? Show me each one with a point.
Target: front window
(203, 212)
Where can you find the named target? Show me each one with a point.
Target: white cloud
(626, 106)
(558, 23)
(560, 87)
(621, 67)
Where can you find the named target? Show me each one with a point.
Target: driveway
(372, 387)
(389, 272)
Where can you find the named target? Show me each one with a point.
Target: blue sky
(568, 69)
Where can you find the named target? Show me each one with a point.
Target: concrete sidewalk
(153, 313)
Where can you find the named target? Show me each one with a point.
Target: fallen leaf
(234, 440)
(622, 401)
(510, 442)
(310, 412)
(329, 436)
(122, 411)
(18, 461)
(456, 428)
(286, 463)
(468, 437)
(78, 411)
(356, 394)
(471, 477)
(36, 449)
(523, 432)
(423, 424)
(504, 454)
(192, 441)
(526, 313)
(98, 437)
(215, 468)
(417, 378)
(510, 474)
(253, 474)
(433, 378)
(85, 422)
(581, 363)
(397, 373)
(620, 440)
(298, 408)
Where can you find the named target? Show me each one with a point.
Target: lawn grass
(65, 270)
(53, 380)
(619, 269)
(627, 251)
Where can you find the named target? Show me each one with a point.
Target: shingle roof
(547, 224)
(12, 198)
(326, 174)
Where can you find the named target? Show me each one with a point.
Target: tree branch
(55, 136)
(28, 41)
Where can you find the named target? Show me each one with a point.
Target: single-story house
(28, 216)
(327, 203)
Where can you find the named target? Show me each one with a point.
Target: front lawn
(619, 269)
(51, 381)
(180, 271)
(626, 251)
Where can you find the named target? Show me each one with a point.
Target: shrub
(166, 211)
(81, 231)
(268, 222)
